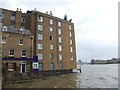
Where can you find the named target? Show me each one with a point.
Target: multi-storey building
(54, 39)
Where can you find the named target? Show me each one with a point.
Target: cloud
(96, 27)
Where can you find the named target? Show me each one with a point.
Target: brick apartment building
(53, 47)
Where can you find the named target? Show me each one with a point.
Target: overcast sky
(96, 23)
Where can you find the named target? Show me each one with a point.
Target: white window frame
(40, 46)
(10, 55)
(40, 37)
(51, 29)
(60, 40)
(51, 22)
(51, 47)
(59, 31)
(70, 27)
(59, 23)
(60, 48)
(12, 17)
(21, 42)
(40, 56)
(9, 67)
(70, 41)
(71, 49)
(51, 56)
(3, 40)
(72, 57)
(70, 34)
(24, 53)
(60, 56)
(40, 18)
(40, 27)
(35, 65)
(4, 28)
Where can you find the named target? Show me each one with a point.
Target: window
(11, 27)
(70, 27)
(59, 31)
(51, 29)
(51, 56)
(12, 18)
(40, 19)
(21, 42)
(71, 57)
(3, 40)
(23, 19)
(60, 40)
(51, 66)
(70, 34)
(21, 31)
(10, 66)
(40, 66)
(61, 66)
(59, 24)
(71, 49)
(51, 21)
(1, 16)
(24, 53)
(51, 37)
(40, 46)
(35, 65)
(40, 56)
(40, 37)
(51, 47)
(11, 52)
(40, 27)
(4, 28)
(60, 48)
(70, 41)
(60, 56)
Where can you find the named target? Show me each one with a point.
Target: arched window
(51, 66)
(4, 28)
(61, 66)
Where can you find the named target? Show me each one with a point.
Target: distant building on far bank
(110, 61)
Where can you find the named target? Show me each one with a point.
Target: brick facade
(63, 39)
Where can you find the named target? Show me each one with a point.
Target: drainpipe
(31, 54)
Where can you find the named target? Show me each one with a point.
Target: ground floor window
(61, 66)
(40, 66)
(51, 66)
(35, 65)
(11, 66)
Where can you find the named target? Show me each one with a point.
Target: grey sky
(96, 25)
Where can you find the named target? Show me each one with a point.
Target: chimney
(17, 9)
(50, 12)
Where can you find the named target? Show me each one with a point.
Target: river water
(92, 76)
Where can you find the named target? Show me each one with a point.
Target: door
(23, 68)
